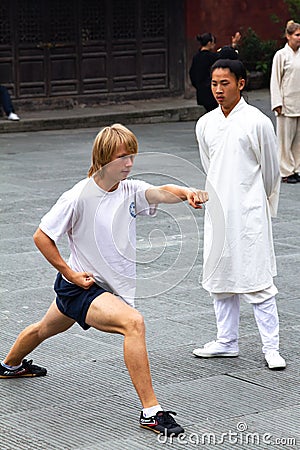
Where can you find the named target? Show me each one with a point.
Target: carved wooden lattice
(62, 26)
(29, 24)
(124, 19)
(93, 17)
(153, 18)
(5, 29)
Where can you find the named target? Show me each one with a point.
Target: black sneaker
(162, 422)
(26, 370)
(297, 177)
(291, 179)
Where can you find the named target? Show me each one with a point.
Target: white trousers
(288, 133)
(227, 313)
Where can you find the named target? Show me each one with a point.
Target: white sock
(149, 412)
(10, 367)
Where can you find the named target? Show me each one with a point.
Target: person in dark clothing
(7, 105)
(200, 71)
(203, 60)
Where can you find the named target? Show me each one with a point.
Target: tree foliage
(294, 9)
(257, 54)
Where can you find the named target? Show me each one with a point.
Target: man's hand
(196, 198)
(278, 110)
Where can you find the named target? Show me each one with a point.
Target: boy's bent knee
(136, 323)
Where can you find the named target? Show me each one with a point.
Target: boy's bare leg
(109, 313)
(52, 323)
(106, 313)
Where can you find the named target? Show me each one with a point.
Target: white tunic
(239, 156)
(285, 81)
(101, 228)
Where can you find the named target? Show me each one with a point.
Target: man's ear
(241, 84)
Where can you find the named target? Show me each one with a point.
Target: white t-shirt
(101, 228)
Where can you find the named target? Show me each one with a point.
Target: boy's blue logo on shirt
(132, 209)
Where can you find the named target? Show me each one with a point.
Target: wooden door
(46, 48)
(88, 48)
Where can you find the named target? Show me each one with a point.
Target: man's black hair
(234, 65)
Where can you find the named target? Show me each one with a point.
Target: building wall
(223, 17)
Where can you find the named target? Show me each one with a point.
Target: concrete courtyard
(87, 402)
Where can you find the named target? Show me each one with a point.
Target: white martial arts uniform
(285, 92)
(239, 156)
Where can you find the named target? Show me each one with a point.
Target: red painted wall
(223, 17)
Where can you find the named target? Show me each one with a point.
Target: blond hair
(107, 141)
(291, 27)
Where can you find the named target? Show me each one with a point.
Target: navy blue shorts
(74, 301)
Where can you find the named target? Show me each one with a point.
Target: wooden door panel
(7, 73)
(93, 59)
(31, 70)
(31, 60)
(94, 72)
(154, 68)
(124, 74)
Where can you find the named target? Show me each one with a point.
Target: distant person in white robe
(285, 102)
(238, 150)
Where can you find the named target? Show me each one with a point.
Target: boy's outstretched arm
(171, 193)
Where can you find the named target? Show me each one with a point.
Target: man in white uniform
(238, 152)
(96, 287)
(285, 101)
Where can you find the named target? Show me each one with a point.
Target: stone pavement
(87, 402)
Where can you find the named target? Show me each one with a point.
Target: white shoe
(215, 349)
(274, 360)
(13, 116)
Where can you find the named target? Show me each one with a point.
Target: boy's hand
(196, 198)
(82, 279)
